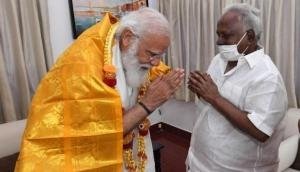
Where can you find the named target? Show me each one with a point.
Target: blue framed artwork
(85, 13)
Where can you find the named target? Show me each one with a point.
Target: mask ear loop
(241, 38)
(241, 41)
(245, 50)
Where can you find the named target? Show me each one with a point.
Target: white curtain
(25, 54)
(193, 24)
(297, 52)
(193, 39)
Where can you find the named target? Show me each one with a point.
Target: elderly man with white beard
(101, 89)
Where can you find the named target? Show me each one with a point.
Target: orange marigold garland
(130, 164)
(109, 78)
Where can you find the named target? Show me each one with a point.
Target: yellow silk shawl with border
(75, 119)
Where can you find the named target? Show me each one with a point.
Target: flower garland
(130, 164)
(109, 72)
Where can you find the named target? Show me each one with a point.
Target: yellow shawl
(75, 119)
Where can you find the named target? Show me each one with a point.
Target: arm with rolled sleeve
(264, 107)
(266, 104)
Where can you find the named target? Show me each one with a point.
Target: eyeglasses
(153, 55)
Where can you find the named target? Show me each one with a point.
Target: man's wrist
(216, 100)
(147, 110)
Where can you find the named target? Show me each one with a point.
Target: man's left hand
(203, 86)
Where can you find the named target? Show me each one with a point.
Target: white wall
(60, 26)
(155, 117)
(153, 4)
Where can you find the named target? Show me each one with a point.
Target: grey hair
(249, 15)
(144, 21)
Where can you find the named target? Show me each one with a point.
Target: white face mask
(230, 52)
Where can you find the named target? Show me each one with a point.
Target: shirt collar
(254, 57)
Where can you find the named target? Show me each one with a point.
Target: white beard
(135, 73)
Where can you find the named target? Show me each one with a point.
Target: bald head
(239, 25)
(248, 15)
(232, 21)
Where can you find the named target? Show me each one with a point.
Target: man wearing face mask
(242, 101)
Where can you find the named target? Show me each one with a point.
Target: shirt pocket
(232, 93)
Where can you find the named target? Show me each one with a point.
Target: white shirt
(255, 86)
(128, 97)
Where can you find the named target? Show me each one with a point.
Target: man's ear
(126, 38)
(251, 35)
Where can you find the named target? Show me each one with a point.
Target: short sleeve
(266, 103)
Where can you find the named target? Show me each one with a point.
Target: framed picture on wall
(85, 13)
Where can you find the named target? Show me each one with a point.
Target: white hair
(143, 22)
(249, 15)
(135, 72)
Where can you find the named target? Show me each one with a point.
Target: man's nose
(154, 61)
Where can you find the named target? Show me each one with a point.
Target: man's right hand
(162, 88)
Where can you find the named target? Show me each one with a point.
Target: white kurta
(128, 97)
(255, 86)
